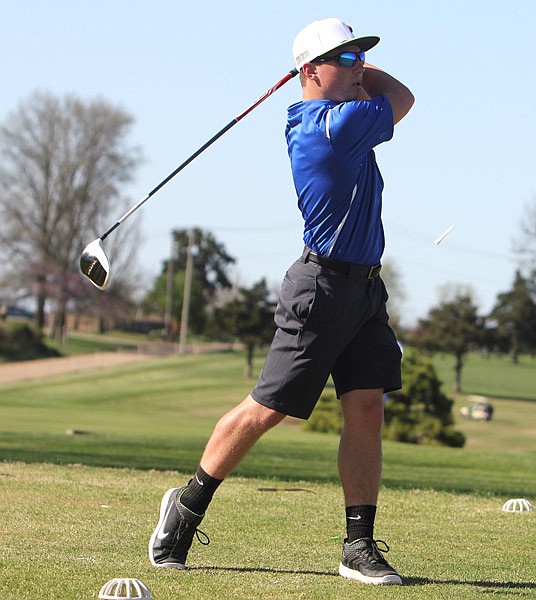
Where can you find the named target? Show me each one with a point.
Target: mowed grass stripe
(158, 415)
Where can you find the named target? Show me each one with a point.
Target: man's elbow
(402, 104)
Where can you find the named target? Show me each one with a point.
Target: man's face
(337, 82)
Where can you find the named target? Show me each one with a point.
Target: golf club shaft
(218, 135)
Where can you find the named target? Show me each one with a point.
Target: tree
(391, 276)
(525, 243)
(62, 164)
(19, 341)
(209, 276)
(248, 318)
(453, 327)
(513, 319)
(419, 413)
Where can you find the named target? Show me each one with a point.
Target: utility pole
(169, 288)
(183, 334)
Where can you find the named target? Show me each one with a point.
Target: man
(331, 317)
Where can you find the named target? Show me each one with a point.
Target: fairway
(78, 510)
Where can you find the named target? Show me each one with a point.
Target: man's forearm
(376, 82)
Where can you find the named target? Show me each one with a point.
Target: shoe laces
(372, 550)
(202, 537)
(385, 547)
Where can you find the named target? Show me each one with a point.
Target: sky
(464, 156)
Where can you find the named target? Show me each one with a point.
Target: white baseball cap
(321, 37)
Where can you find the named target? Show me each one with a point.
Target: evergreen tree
(248, 318)
(209, 276)
(513, 319)
(453, 327)
(419, 413)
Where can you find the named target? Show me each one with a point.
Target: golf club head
(95, 265)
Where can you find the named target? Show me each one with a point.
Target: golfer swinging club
(331, 317)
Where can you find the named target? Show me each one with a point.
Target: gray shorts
(327, 324)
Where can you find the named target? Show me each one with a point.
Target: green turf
(492, 376)
(168, 407)
(78, 343)
(66, 530)
(70, 522)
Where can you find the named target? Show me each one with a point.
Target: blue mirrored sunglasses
(344, 59)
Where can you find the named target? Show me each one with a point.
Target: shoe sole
(356, 575)
(163, 510)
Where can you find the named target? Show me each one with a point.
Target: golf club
(94, 263)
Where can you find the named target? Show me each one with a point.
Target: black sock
(360, 521)
(198, 494)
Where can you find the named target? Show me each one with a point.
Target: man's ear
(309, 70)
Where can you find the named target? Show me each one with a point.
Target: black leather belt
(348, 269)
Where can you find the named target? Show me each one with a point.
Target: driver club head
(95, 265)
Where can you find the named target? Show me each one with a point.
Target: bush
(19, 341)
(419, 413)
(327, 416)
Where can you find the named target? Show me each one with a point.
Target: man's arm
(376, 82)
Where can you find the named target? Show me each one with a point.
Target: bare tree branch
(63, 163)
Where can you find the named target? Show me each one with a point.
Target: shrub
(327, 416)
(19, 341)
(419, 413)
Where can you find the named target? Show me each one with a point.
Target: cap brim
(364, 43)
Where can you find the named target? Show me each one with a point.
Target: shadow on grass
(264, 570)
(492, 585)
(408, 581)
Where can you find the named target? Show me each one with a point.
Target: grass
(491, 376)
(78, 343)
(71, 522)
(69, 529)
(168, 407)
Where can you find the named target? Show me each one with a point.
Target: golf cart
(479, 411)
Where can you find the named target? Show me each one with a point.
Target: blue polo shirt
(337, 180)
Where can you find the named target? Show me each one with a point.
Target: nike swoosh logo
(354, 518)
(162, 534)
(198, 480)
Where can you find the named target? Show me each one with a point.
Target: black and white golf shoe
(362, 560)
(173, 536)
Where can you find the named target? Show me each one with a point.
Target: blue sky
(463, 157)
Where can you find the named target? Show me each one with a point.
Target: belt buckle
(372, 272)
